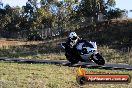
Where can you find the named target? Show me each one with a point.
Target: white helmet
(73, 36)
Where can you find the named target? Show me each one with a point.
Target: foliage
(90, 8)
(115, 13)
(58, 16)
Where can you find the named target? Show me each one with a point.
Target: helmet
(73, 36)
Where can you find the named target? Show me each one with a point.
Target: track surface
(66, 63)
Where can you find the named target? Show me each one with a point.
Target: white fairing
(94, 44)
(79, 46)
(90, 51)
(85, 57)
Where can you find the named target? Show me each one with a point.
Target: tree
(65, 15)
(89, 8)
(9, 20)
(115, 13)
(111, 3)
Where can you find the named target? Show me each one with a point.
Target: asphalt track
(66, 63)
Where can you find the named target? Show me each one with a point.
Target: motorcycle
(84, 52)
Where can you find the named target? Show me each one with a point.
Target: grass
(51, 50)
(116, 56)
(31, 50)
(35, 75)
(16, 75)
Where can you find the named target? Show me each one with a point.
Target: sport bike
(83, 51)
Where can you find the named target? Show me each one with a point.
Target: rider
(73, 41)
(71, 45)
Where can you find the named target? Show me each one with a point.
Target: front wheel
(98, 59)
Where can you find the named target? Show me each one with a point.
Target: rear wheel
(98, 59)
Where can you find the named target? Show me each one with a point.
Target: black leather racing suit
(73, 50)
